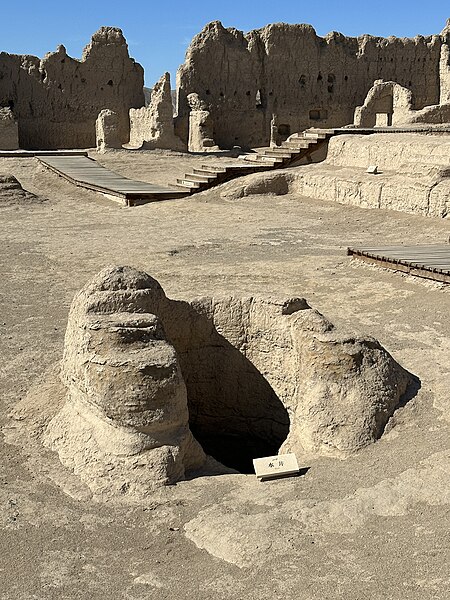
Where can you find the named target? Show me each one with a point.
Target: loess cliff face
(303, 78)
(57, 99)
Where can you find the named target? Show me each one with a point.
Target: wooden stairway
(297, 147)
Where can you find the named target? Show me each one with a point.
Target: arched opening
(284, 131)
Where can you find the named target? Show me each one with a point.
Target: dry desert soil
(374, 526)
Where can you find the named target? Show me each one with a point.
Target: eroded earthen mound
(124, 427)
(247, 376)
(12, 193)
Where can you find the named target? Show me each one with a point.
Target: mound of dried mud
(13, 194)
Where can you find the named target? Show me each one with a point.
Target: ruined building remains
(152, 126)
(151, 384)
(56, 100)
(303, 79)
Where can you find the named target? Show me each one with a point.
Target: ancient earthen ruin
(152, 126)
(12, 193)
(56, 99)
(142, 372)
(107, 128)
(304, 79)
(270, 83)
(9, 136)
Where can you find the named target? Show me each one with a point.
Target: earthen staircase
(296, 148)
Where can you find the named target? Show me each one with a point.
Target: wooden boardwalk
(32, 153)
(431, 262)
(86, 172)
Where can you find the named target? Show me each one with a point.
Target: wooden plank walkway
(431, 262)
(86, 172)
(32, 153)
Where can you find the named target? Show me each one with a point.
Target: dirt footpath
(373, 526)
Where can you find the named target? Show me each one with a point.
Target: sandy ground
(373, 526)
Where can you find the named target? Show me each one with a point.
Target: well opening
(234, 412)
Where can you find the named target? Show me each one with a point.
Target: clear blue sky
(158, 32)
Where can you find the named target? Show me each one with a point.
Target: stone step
(200, 178)
(255, 160)
(314, 135)
(188, 183)
(324, 131)
(278, 153)
(281, 150)
(205, 172)
(214, 169)
(295, 145)
(260, 158)
(270, 159)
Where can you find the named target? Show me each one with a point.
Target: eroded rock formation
(141, 371)
(304, 79)
(153, 126)
(56, 99)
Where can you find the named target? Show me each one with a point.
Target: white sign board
(276, 466)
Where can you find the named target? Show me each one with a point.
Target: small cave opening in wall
(318, 114)
(331, 79)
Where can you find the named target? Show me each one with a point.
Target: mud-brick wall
(56, 100)
(305, 79)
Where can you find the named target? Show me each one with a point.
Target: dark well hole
(233, 411)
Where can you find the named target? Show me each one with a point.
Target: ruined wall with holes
(304, 79)
(56, 100)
